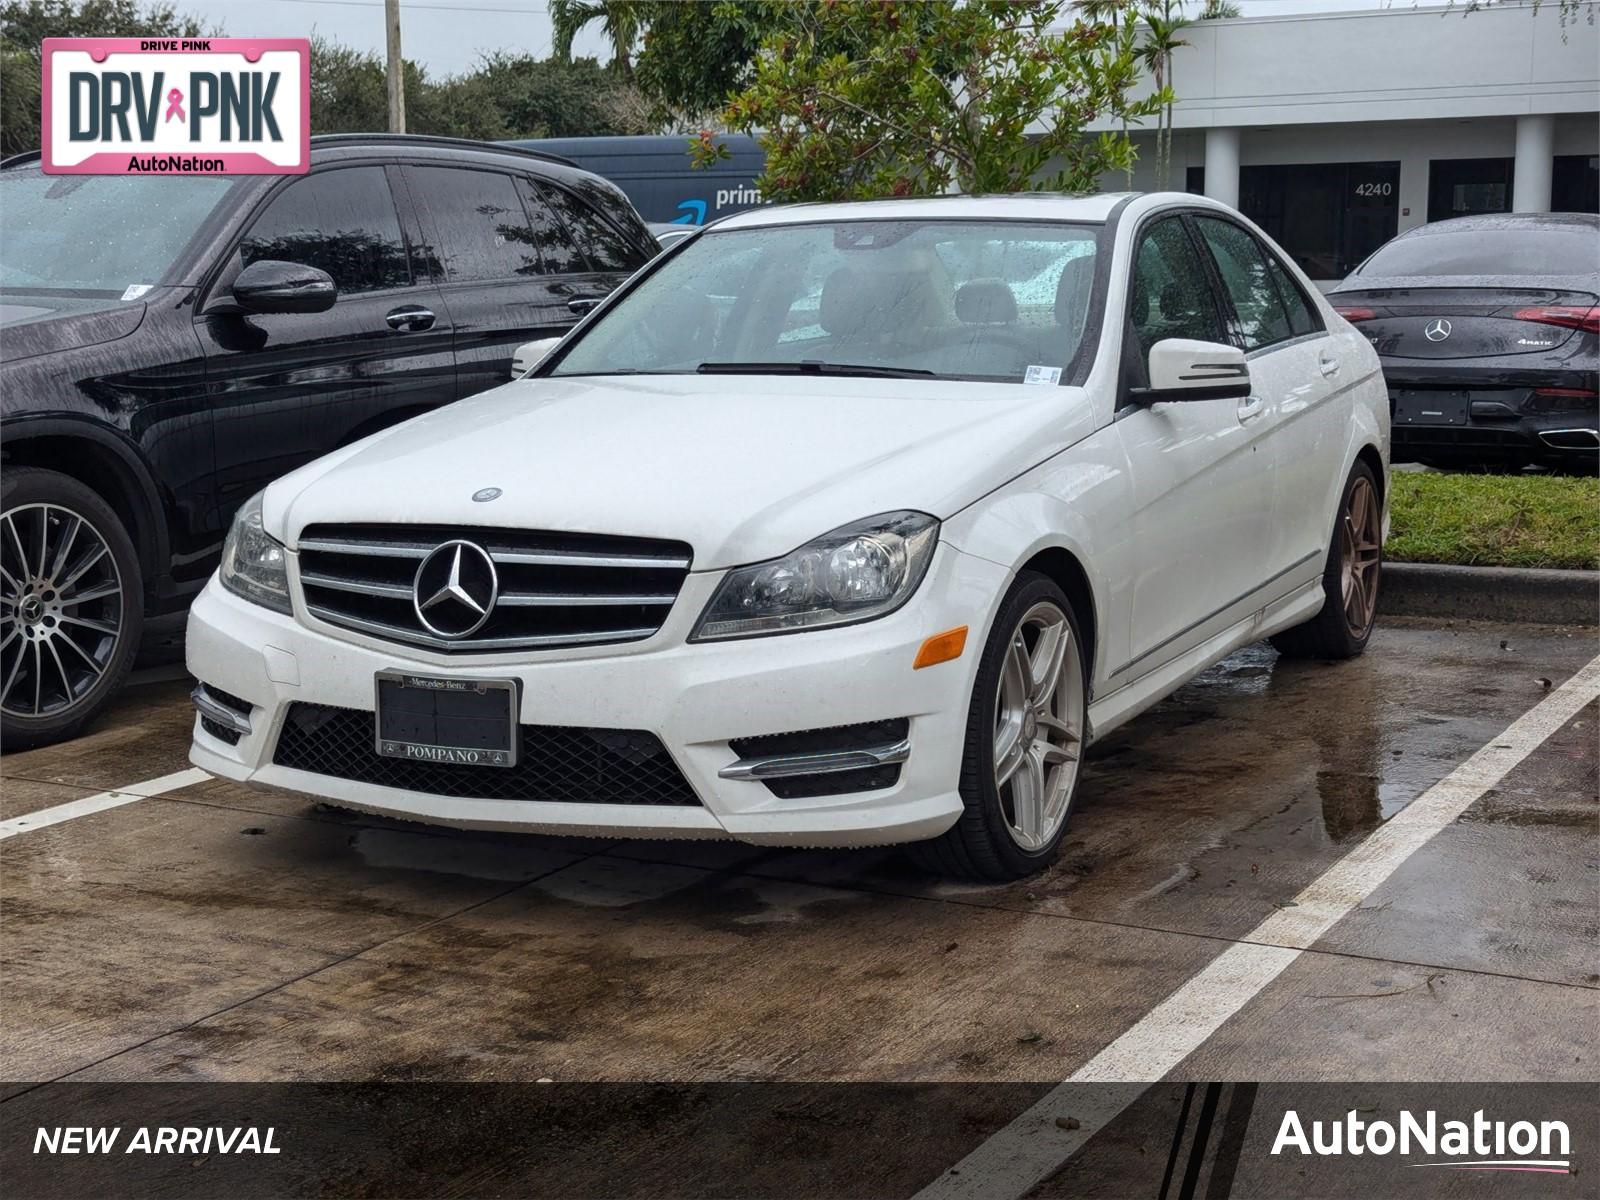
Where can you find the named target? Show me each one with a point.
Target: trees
(1163, 21)
(619, 18)
(858, 100)
(24, 24)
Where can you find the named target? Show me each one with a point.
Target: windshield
(1530, 251)
(992, 300)
(98, 233)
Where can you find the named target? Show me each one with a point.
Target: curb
(1517, 594)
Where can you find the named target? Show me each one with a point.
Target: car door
(1201, 480)
(1295, 371)
(498, 267)
(286, 388)
(515, 269)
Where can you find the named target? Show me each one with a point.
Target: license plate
(463, 722)
(1430, 408)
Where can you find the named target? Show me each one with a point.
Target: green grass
(1495, 520)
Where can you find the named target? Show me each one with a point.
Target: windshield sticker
(135, 290)
(1043, 376)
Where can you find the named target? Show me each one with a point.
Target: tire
(993, 839)
(71, 606)
(1338, 630)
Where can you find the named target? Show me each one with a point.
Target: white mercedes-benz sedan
(836, 525)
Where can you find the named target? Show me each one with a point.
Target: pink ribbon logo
(175, 105)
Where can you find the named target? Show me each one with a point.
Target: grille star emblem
(455, 589)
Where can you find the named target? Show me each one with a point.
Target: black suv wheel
(71, 606)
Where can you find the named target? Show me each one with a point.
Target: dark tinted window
(556, 246)
(1171, 294)
(342, 222)
(1247, 278)
(1529, 250)
(482, 228)
(605, 248)
(1302, 317)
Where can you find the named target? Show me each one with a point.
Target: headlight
(859, 571)
(253, 565)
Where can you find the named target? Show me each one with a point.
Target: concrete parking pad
(217, 933)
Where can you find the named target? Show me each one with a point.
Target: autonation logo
(1476, 1145)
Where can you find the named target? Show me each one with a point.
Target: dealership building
(1335, 131)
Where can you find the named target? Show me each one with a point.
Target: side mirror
(270, 286)
(1186, 369)
(530, 354)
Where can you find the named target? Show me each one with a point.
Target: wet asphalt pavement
(216, 933)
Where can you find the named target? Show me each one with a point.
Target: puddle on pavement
(616, 883)
(513, 858)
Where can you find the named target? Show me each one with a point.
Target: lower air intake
(559, 764)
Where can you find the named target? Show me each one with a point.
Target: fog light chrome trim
(229, 718)
(781, 766)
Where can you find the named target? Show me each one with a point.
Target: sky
(448, 36)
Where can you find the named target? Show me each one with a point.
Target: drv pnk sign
(177, 106)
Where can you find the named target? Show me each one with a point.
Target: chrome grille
(555, 589)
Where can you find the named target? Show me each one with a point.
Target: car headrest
(986, 302)
(1072, 294)
(1173, 302)
(844, 301)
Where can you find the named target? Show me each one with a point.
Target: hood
(37, 324)
(743, 468)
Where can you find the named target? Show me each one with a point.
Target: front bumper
(694, 698)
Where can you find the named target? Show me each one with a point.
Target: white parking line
(1032, 1146)
(93, 804)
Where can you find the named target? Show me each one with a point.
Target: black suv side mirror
(271, 286)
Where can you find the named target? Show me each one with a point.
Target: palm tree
(620, 18)
(1163, 20)
(1110, 12)
(1219, 10)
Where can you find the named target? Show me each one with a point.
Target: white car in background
(869, 555)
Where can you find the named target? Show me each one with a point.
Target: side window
(1302, 317)
(1243, 264)
(1171, 295)
(482, 228)
(605, 248)
(342, 222)
(560, 253)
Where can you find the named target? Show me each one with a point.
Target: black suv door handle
(583, 304)
(411, 318)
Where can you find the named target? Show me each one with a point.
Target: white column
(1530, 185)
(1222, 165)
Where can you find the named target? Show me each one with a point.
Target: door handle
(410, 319)
(1328, 365)
(1250, 406)
(583, 304)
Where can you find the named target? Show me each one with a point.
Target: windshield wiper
(812, 366)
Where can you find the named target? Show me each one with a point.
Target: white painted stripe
(1032, 1146)
(93, 804)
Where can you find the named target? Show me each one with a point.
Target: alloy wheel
(1360, 546)
(1038, 734)
(61, 614)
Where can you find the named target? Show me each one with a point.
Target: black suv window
(605, 248)
(555, 242)
(1247, 275)
(1171, 293)
(482, 228)
(342, 222)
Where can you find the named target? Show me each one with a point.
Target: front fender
(1075, 503)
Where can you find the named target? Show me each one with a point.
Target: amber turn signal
(941, 647)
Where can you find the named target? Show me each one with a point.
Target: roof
(395, 140)
(1017, 206)
(1525, 220)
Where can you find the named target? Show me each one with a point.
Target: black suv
(171, 345)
